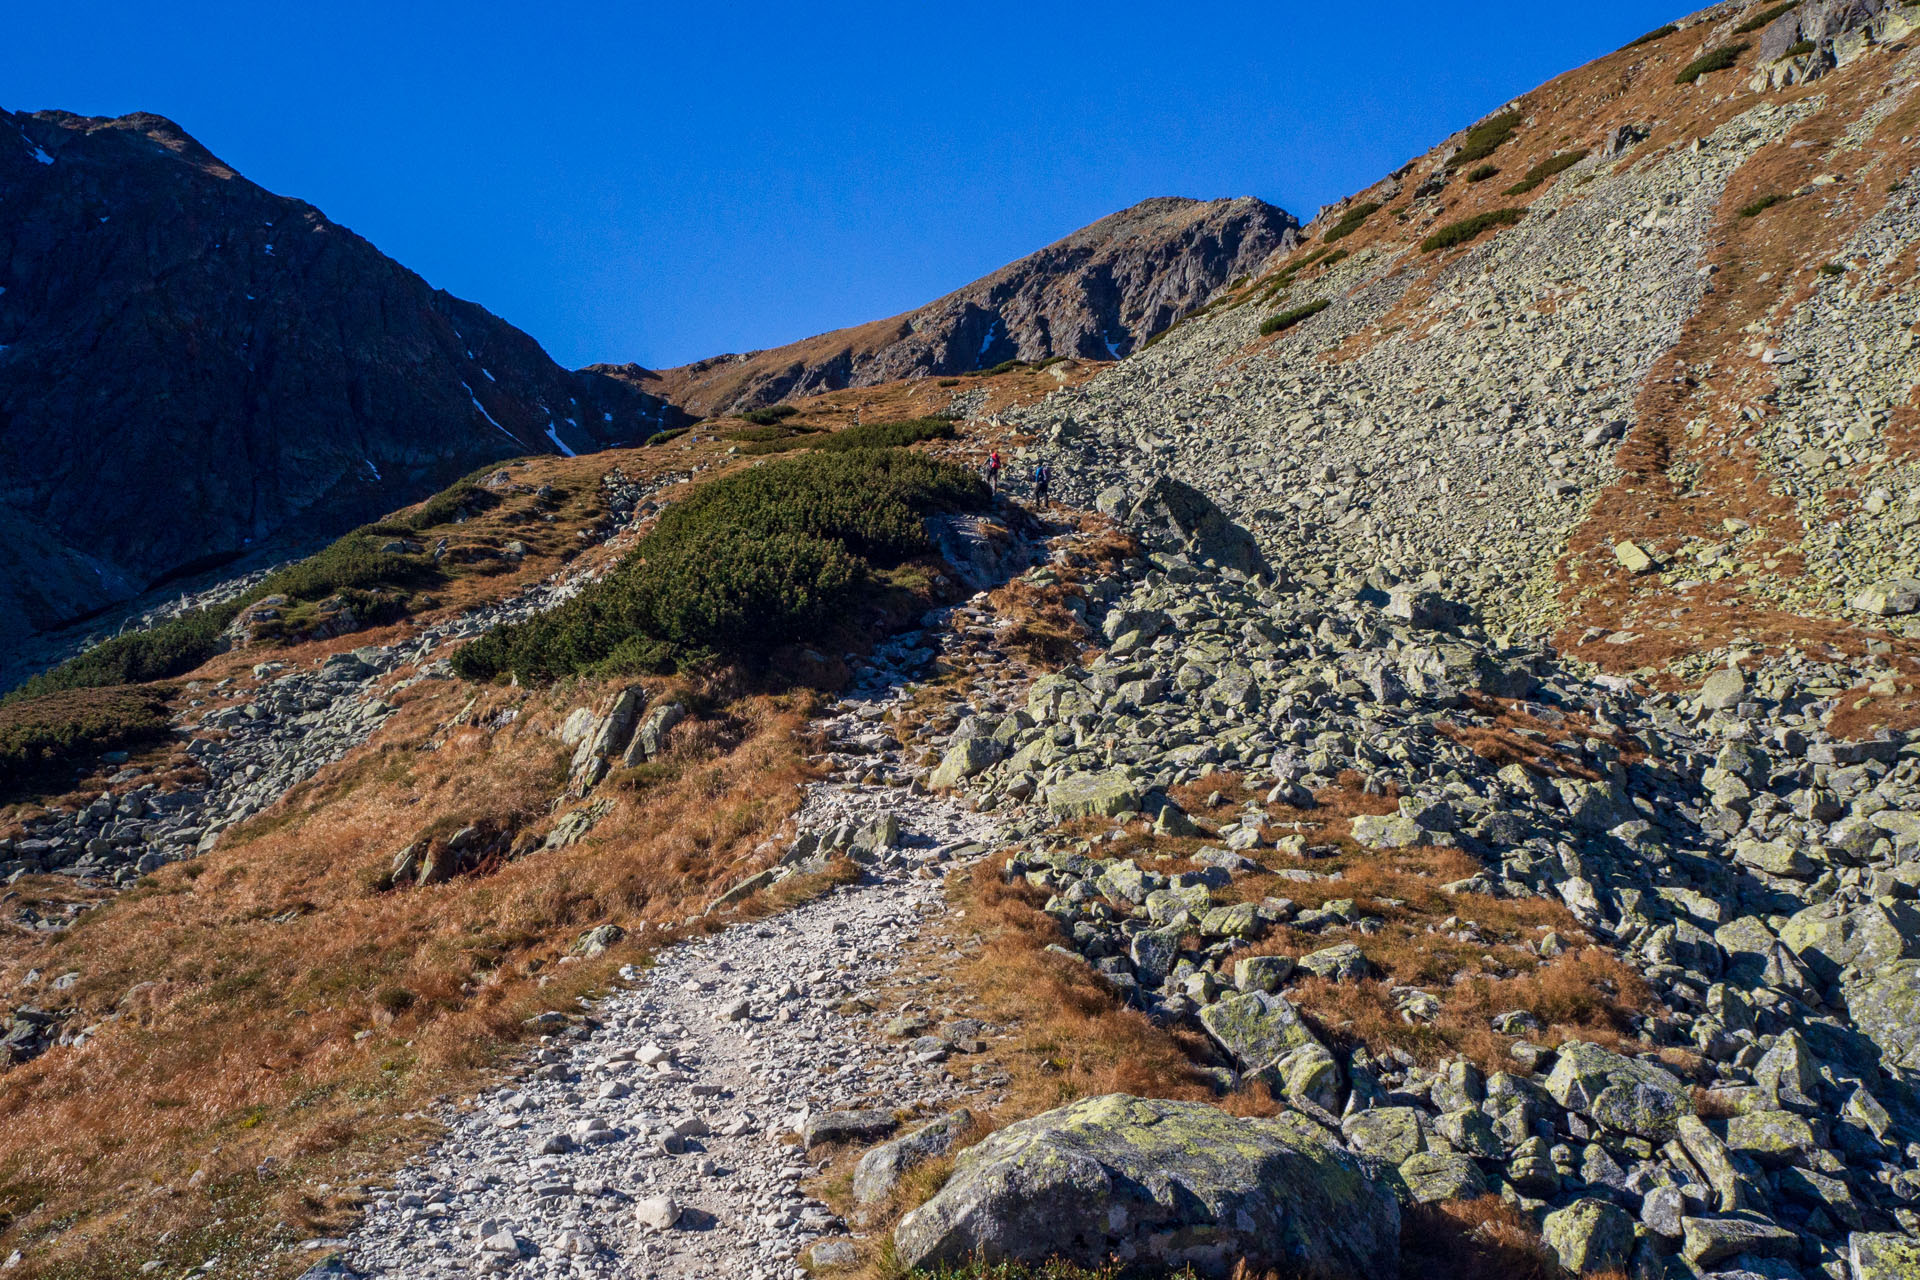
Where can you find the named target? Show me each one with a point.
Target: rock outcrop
(1097, 294)
(191, 366)
(1172, 1184)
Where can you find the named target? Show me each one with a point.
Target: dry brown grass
(1070, 1036)
(1075, 1039)
(1863, 711)
(1483, 1239)
(1689, 421)
(240, 1032)
(1509, 734)
(1044, 631)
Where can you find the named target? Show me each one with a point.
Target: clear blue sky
(658, 183)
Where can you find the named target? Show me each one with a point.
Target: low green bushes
(1287, 319)
(778, 554)
(770, 415)
(1549, 168)
(69, 725)
(1350, 221)
(1482, 172)
(1765, 18)
(1707, 63)
(1798, 49)
(176, 645)
(886, 435)
(757, 435)
(1467, 228)
(1761, 205)
(868, 435)
(1011, 366)
(353, 563)
(1484, 139)
(1658, 33)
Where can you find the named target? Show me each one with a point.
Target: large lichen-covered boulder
(1166, 1184)
(1621, 1093)
(1122, 880)
(965, 759)
(1773, 1138)
(1589, 1235)
(1827, 940)
(1172, 516)
(1877, 1255)
(1093, 795)
(1388, 1133)
(1428, 1177)
(1708, 1240)
(1387, 831)
(1885, 1008)
(1311, 1074)
(1256, 1027)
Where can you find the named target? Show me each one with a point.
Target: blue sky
(658, 183)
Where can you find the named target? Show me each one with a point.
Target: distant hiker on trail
(1042, 478)
(993, 469)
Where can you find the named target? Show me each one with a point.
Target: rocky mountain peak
(1096, 294)
(175, 339)
(134, 127)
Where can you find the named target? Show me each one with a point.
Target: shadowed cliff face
(1097, 294)
(191, 365)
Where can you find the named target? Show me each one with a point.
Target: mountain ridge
(175, 338)
(1096, 293)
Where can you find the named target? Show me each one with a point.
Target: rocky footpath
(648, 1135)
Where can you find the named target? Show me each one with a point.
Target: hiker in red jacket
(993, 469)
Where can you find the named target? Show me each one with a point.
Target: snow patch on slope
(489, 417)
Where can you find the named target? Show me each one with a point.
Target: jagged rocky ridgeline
(1097, 294)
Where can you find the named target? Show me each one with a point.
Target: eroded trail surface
(671, 1104)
